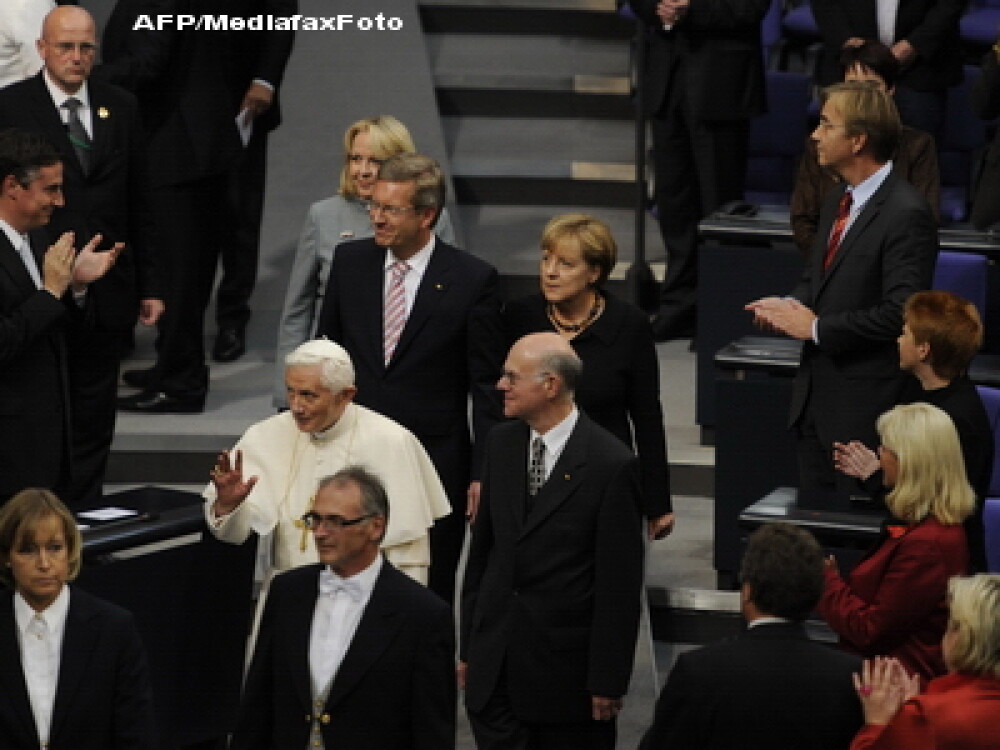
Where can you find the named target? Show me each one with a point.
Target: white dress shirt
(411, 282)
(335, 620)
(23, 248)
(555, 440)
(40, 636)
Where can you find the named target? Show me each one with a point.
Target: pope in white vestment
(288, 454)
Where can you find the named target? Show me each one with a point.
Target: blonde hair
(975, 622)
(387, 137)
(867, 110)
(23, 514)
(932, 480)
(597, 245)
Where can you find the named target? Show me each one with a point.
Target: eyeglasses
(65, 48)
(373, 208)
(514, 378)
(314, 521)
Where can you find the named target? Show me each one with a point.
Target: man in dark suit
(40, 292)
(771, 687)
(550, 600)
(876, 244)
(704, 80)
(96, 128)
(922, 34)
(421, 322)
(358, 648)
(208, 202)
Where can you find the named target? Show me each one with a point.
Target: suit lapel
(12, 682)
(566, 476)
(433, 287)
(372, 277)
(79, 642)
(298, 620)
(857, 229)
(379, 623)
(102, 127)
(13, 266)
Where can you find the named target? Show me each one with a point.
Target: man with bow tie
(351, 652)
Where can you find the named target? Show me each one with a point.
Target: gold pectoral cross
(301, 526)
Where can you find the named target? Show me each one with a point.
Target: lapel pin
(439, 287)
(103, 112)
(566, 477)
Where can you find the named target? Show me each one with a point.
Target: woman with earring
(74, 674)
(620, 385)
(340, 218)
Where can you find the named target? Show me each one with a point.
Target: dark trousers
(496, 727)
(241, 243)
(190, 221)
(699, 166)
(93, 359)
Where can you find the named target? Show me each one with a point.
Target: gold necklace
(582, 325)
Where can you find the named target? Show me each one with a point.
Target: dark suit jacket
(716, 49)
(895, 602)
(191, 107)
(769, 688)
(931, 26)
(395, 689)
(103, 698)
(886, 255)
(620, 385)
(915, 158)
(986, 104)
(110, 199)
(34, 417)
(555, 594)
(451, 346)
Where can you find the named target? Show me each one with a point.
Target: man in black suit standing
(208, 201)
(550, 600)
(40, 292)
(420, 320)
(704, 80)
(771, 687)
(876, 244)
(358, 648)
(96, 128)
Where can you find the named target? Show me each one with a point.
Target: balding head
(68, 46)
(539, 378)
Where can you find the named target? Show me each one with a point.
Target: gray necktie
(28, 258)
(78, 134)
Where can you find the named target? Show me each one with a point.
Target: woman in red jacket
(894, 602)
(960, 711)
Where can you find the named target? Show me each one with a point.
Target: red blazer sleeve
(908, 730)
(913, 585)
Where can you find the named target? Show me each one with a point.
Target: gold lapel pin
(103, 112)
(566, 477)
(439, 287)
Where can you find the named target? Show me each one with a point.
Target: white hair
(336, 371)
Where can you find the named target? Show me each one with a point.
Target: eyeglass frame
(87, 49)
(376, 207)
(314, 521)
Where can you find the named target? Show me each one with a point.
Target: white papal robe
(289, 465)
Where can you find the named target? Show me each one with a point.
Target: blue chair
(963, 136)
(979, 25)
(777, 137)
(770, 35)
(991, 508)
(965, 275)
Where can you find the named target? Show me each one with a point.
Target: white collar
(767, 621)
(55, 613)
(418, 262)
(556, 437)
(865, 189)
(59, 96)
(15, 237)
(365, 580)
